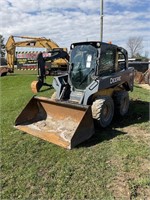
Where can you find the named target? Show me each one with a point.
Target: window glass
(107, 60)
(121, 61)
(83, 64)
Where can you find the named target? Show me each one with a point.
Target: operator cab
(90, 60)
(83, 61)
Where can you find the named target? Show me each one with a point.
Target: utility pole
(101, 20)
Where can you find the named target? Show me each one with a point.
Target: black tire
(4, 74)
(103, 111)
(121, 100)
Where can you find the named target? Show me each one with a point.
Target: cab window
(107, 60)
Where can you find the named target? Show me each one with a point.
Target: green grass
(113, 164)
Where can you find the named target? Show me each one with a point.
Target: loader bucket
(63, 124)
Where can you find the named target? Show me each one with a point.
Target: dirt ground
(50, 125)
(145, 86)
(120, 185)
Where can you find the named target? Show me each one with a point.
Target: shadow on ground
(138, 113)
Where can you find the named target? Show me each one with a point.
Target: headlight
(72, 46)
(98, 44)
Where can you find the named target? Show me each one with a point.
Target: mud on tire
(53, 97)
(103, 111)
(121, 100)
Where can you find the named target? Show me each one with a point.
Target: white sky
(67, 21)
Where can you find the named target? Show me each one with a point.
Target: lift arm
(52, 55)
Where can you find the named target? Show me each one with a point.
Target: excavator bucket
(63, 124)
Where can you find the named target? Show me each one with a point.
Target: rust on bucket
(64, 124)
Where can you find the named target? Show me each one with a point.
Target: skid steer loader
(94, 89)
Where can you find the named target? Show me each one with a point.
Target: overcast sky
(67, 21)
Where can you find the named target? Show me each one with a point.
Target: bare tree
(2, 46)
(135, 45)
(2, 51)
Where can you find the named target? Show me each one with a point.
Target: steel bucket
(63, 124)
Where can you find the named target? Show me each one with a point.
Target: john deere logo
(115, 80)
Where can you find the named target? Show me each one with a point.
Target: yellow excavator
(32, 42)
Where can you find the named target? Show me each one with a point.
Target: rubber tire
(53, 97)
(4, 74)
(121, 100)
(103, 111)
